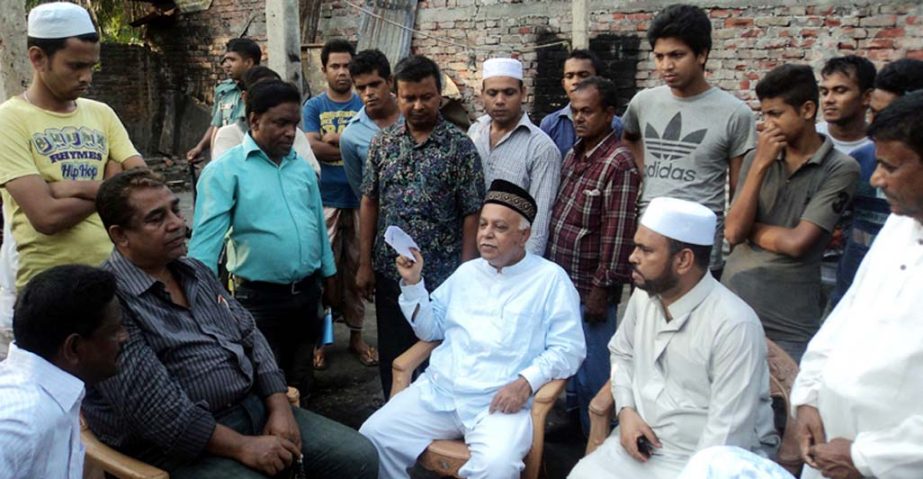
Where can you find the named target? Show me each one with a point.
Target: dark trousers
(331, 450)
(394, 332)
(291, 325)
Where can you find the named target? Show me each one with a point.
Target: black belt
(297, 287)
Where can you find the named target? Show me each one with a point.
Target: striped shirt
(527, 157)
(179, 366)
(594, 219)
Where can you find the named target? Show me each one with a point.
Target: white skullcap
(59, 20)
(503, 67)
(681, 220)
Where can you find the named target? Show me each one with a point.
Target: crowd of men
(527, 236)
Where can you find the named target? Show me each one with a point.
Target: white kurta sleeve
(565, 346)
(621, 355)
(425, 314)
(739, 376)
(895, 453)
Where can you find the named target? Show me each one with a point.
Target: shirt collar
(66, 389)
(135, 280)
(588, 154)
(514, 269)
(252, 149)
(821, 153)
(566, 112)
(683, 307)
(436, 134)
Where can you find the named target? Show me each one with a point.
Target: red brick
(738, 22)
(890, 33)
(720, 13)
(745, 84)
(880, 43)
(808, 32)
(915, 54)
(832, 22)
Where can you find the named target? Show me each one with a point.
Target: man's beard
(655, 286)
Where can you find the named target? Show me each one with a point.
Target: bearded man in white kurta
(688, 360)
(509, 322)
(859, 394)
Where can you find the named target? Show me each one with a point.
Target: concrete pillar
(15, 71)
(579, 20)
(284, 39)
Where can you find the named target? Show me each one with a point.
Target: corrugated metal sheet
(381, 30)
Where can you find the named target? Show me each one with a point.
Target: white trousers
(611, 461)
(403, 428)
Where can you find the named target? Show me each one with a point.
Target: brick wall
(749, 38)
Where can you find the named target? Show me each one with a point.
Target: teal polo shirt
(274, 214)
(229, 106)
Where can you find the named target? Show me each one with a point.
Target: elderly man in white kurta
(509, 322)
(512, 148)
(859, 394)
(688, 360)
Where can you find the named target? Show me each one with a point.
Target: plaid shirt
(594, 218)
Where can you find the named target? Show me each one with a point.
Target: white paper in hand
(400, 241)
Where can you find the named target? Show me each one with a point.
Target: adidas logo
(670, 146)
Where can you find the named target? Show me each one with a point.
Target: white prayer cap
(681, 220)
(503, 67)
(59, 20)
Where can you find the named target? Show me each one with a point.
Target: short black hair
(256, 75)
(368, 61)
(901, 121)
(687, 23)
(59, 302)
(417, 68)
(50, 46)
(701, 253)
(584, 54)
(112, 199)
(852, 66)
(246, 48)
(337, 45)
(268, 94)
(608, 93)
(901, 77)
(794, 84)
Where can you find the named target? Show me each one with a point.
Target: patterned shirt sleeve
(155, 407)
(370, 172)
(618, 222)
(470, 192)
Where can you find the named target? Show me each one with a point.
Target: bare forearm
(794, 242)
(324, 152)
(85, 190)
(206, 140)
(469, 237)
(225, 442)
(637, 151)
(276, 402)
(368, 225)
(742, 215)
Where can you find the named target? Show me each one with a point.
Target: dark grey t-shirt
(786, 292)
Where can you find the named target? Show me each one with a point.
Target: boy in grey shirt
(687, 135)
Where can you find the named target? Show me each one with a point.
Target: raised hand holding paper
(400, 241)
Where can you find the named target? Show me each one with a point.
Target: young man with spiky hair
(242, 54)
(845, 91)
(57, 148)
(793, 189)
(688, 137)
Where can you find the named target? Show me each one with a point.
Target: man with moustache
(423, 176)
(508, 322)
(689, 366)
(579, 65)
(278, 251)
(592, 223)
(198, 392)
(514, 149)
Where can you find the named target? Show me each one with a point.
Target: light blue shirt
(354, 147)
(521, 321)
(39, 418)
(274, 213)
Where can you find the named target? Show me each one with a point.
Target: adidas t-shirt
(688, 141)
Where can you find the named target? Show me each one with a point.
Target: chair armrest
(293, 396)
(403, 367)
(101, 456)
(601, 409)
(545, 398)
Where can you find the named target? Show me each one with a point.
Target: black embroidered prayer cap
(508, 194)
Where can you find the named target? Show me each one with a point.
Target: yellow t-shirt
(58, 146)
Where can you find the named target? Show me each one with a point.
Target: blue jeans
(595, 370)
(331, 450)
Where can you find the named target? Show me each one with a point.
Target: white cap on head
(59, 20)
(681, 220)
(503, 67)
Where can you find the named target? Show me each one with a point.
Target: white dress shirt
(863, 370)
(39, 419)
(700, 379)
(494, 326)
